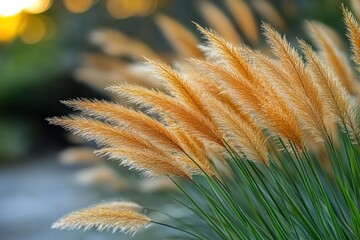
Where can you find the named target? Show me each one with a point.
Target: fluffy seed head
(118, 216)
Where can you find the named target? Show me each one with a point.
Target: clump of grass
(256, 112)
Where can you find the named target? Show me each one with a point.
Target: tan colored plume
(245, 19)
(118, 44)
(218, 21)
(135, 121)
(334, 94)
(269, 13)
(130, 149)
(181, 39)
(238, 78)
(166, 106)
(332, 54)
(118, 216)
(301, 90)
(79, 155)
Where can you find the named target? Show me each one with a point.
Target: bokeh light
(78, 6)
(16, 18)
(10, 8)
(10, 27)
(121, 9)
(34, 30)
(38, 6)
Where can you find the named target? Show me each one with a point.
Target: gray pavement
(34, 195)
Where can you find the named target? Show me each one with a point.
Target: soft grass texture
(262, 147)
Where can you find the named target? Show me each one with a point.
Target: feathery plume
(333, 56)
(355, 6)
(158, 184)
(181, 39)
(177, 85)
(103, 175)
(245, 19)
(194, 149)
(135, 121)
(211, 88)
(269, 13)
(273, 111)
(118, 216)
(166, 106)
(353, 33)
(301, 89)
(150, 163)
(242, 132)
(218, 21)
(337, 98)
(231, 119)
(244, 83)
(135, 151)
(79, 155)
(116, 43)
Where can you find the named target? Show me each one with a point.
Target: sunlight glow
(78, 6)
(34, 30)
(11, 8)
(38, 6)
(10, 27)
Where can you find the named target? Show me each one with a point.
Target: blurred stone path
(35, 194)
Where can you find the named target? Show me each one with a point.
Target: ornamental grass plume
(118, 216)
(257, 111)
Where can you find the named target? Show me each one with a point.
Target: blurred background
(51, 50)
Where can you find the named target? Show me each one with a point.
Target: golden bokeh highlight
(34, 30)
(121, 9)
(11, 8)
(10, 27)
(38, 6)
(19, 17)
(78, 6)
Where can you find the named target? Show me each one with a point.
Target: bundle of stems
(262, 147)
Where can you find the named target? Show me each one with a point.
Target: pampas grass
(118, 216)
(233, 131)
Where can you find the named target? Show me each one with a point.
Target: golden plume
(335, 95)
(135, 151)
(228, 116)
(177, 85)
(301, 89)
(212, 88)
(333, 56)
(168, 107)
(269, 13)
(194, 150)
(118, 216)
(181, 39)
(102, 71)
(103, 175)
(137, 123)
(151, 163)
(245, 19)
(118, 44)
(219, 21)
(240, 131)
(79, 155)
(239, 78)
(134, 121)
(353, 33)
